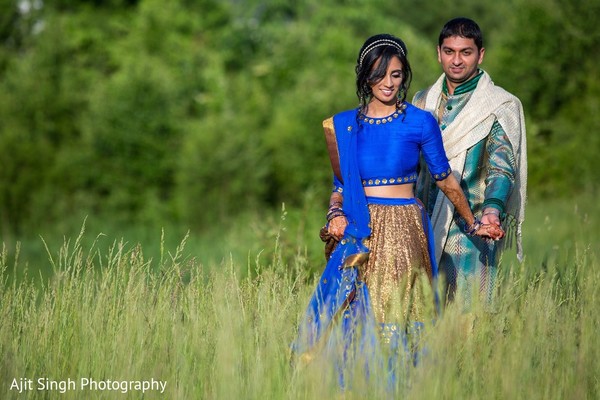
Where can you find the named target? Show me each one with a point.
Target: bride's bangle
(472, 229)
(335, 212)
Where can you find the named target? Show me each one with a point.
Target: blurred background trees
(145, 111)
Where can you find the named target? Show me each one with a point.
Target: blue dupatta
(338, 285)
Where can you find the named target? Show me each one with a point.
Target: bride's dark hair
(382, 46)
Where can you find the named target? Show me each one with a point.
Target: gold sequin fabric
(398, 273)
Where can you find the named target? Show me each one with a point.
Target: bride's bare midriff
(391, 191)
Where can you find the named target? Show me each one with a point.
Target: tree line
(145, 110)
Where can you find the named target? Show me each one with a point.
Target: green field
(107, 318)
(147, 146)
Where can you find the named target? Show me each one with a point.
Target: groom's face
(460, 59)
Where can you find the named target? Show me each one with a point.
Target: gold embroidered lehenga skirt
(400, 273)
(370, 315)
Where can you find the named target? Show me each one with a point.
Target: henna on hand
(337, 226)
(491, 231)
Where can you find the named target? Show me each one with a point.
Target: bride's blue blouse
(389, 148)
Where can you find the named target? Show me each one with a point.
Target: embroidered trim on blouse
(384, 120)
(402, 179)
(390, 181)
(443, 175)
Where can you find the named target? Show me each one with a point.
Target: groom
(483, 130)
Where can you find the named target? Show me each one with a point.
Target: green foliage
(427, 18)
(192, 111)
(9, 18)
(222, 329)
(559, 89)
(36, 121)
(132, 134)
(207, 115)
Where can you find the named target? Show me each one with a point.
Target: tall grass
(222, 331)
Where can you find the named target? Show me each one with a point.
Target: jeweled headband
(379, 43)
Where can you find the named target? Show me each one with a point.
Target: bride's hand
(491, 231)
(337, 226)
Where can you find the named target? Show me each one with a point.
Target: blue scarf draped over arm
(337, 285)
